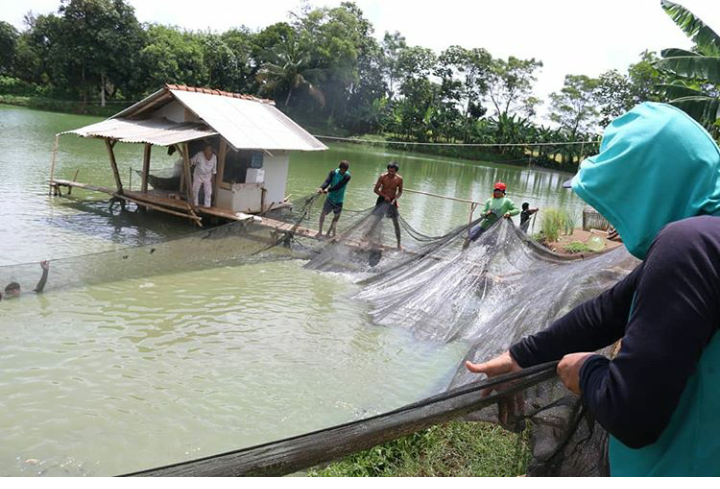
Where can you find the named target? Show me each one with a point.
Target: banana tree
(696, 88)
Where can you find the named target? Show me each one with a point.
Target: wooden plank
(113, 164)
(84, 186)
(146, 168)
(159, 208)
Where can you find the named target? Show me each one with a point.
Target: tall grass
(554, 221)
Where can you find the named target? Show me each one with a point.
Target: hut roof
(245, 122)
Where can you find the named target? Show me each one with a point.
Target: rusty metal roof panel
(161, 132)
(248, 123)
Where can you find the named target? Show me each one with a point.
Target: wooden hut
(251, 138)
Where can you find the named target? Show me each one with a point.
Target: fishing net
(490, 293)
(232, 244)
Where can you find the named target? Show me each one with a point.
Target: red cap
(500, 186)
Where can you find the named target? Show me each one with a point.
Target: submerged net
(489, 293)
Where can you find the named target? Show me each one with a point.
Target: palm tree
(696, 89)
(288, 69)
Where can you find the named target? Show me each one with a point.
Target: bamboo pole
(52, 165)
(146, 168)
(441, 196)
(113, 164)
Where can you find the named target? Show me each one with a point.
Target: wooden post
(146, 168)
(52, 166)
(188, 178)
(113, 164)
(220, 169)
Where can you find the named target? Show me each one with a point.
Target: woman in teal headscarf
(657, 180)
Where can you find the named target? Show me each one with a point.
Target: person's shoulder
(399, 176)
(693, 233)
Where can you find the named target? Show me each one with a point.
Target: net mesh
(490, 293)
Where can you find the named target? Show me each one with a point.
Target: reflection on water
(127, 375)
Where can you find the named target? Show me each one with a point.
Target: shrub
(554, 221)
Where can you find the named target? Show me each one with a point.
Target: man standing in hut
(334, 187)
(389, 188)
(205, 163)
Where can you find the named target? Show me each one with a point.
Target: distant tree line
(326, 67)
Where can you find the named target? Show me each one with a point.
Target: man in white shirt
(205, 163)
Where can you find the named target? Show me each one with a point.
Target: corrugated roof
(248, 124)
(161, 132)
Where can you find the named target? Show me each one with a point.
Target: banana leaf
(697, 67)
(707, 41)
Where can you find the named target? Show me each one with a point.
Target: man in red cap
(495, 208)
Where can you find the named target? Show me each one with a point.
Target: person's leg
(197, 183)
(476, 232)
(207, 189)
(396, 223)
(333, 225)
(322, 221)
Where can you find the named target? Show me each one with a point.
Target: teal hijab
(656, 165)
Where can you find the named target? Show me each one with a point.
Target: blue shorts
(331, 206)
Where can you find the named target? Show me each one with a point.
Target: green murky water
(127, 375)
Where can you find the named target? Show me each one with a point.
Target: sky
(575, 37)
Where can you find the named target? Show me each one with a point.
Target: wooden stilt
(113, 164)
(52, 165)
(146, 168)
(220, 169)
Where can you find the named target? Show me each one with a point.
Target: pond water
(131, 374)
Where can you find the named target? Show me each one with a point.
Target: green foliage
(455, 449)
(696, 84)
(577, 247)
(555, 221)
(15, 86)
(8, 42)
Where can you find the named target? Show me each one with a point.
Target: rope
(473, 145)
(300, 452)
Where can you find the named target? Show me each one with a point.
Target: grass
(577, 247)
(555, 221)
(465, 449)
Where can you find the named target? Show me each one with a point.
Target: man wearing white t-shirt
(205, 163)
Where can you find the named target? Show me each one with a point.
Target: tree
(8, 43)
(171, 56)
(286, 71)
(392, 46)
(510, 85)
(95, 39)
(696, 88)
(574, 108)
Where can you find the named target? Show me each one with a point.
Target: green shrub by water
(455, 449)
(555, 221)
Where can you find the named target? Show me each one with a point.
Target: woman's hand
(569, 370)
(510, 407)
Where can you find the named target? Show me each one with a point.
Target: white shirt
(204, 169)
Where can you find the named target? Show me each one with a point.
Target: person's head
(344, 166)
(208, 151)
(499, 190)
(392, 168)
(525, 206)
(656, 165)
(12, 290)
